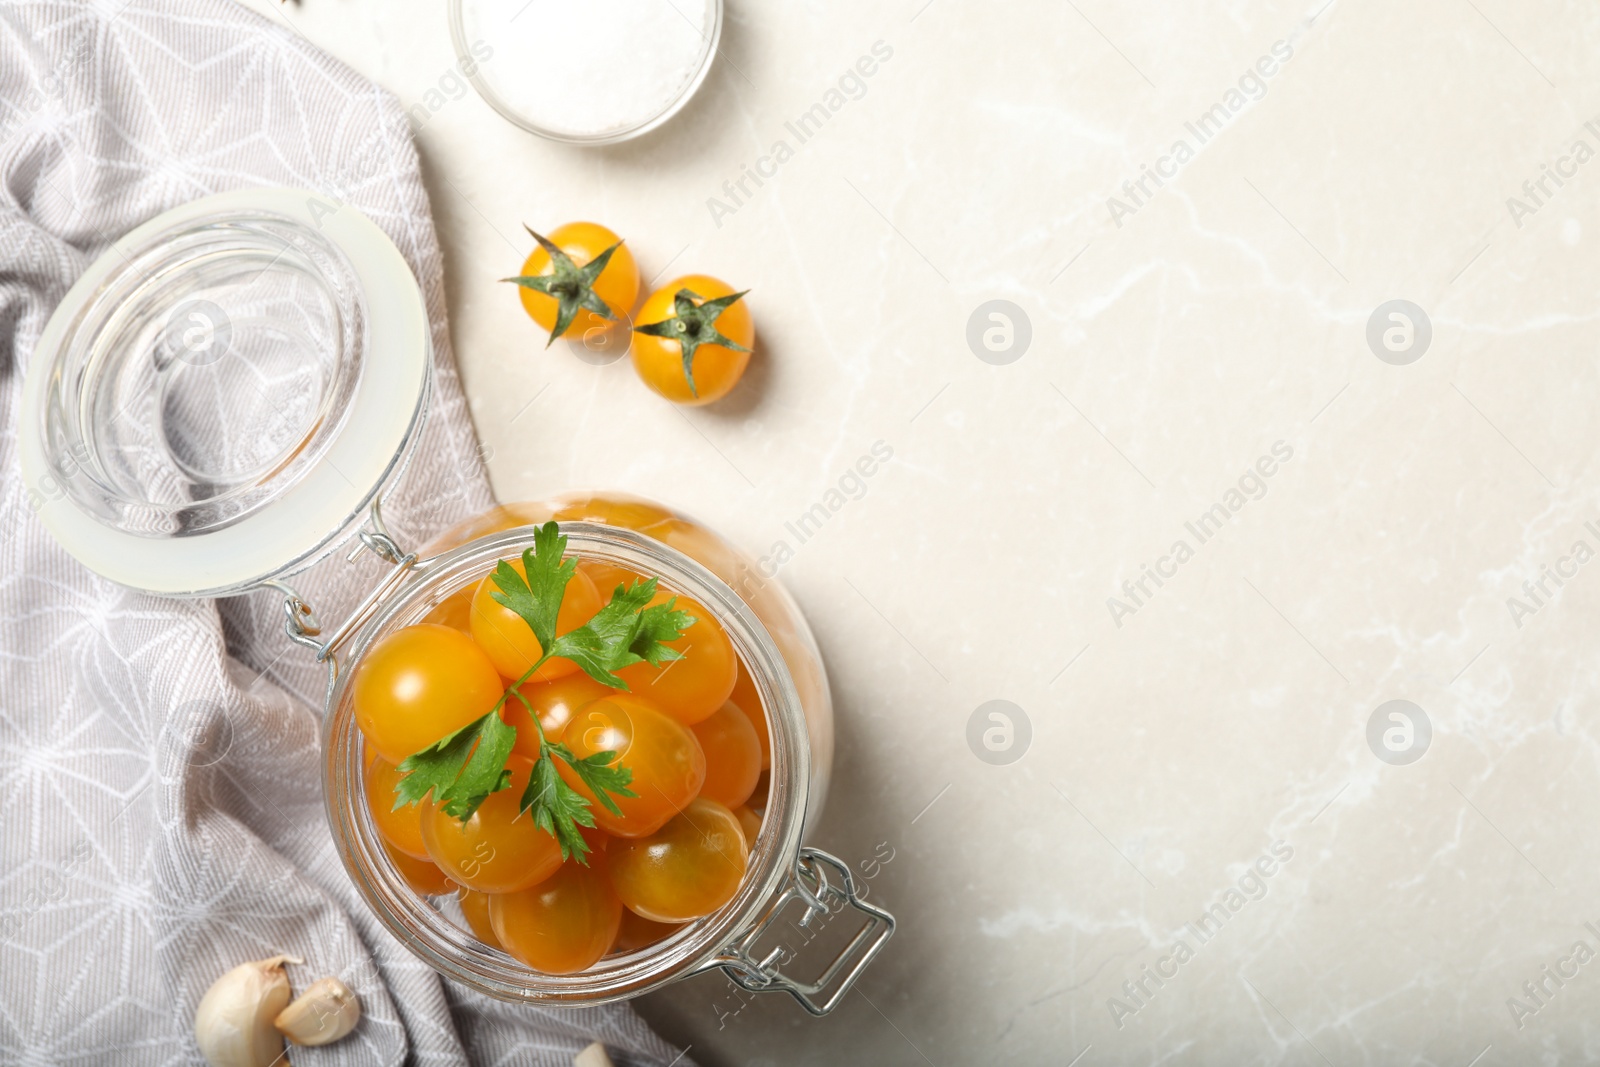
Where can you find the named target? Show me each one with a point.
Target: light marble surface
(1174, 745)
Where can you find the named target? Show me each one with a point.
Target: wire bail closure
(377, 539)
(821, 895)
(301, 622)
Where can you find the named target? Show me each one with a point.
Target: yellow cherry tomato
(667, 764)
(423, 877)
(694, 686)
(733, 755)
(454, 611)
(750, 823)
(637, 932)
(613, 509)
(555, 703)
(690, 867)
(711, 552)
(563, 924)
(716, 368)
(475, 906)
(495, 520)
(617, 285)
(596, 838)
(500, 848)
(744, 696)
(508, 641)
(607, 576)
(400, 827)
(418, 684)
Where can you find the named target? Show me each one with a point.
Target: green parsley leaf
(537, 597)
(460, 769)
(623, 633)
(659, 624)
(557, 808)
(599, 775)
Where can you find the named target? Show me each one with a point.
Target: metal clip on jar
(314, 328)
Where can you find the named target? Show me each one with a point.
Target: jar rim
(445, 945)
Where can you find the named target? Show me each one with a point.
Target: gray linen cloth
(160, 806)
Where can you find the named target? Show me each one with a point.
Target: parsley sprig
(462, 769)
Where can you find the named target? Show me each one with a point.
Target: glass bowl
(483, 48)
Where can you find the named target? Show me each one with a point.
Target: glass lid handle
(823, 885)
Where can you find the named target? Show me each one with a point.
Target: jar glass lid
(221, 396)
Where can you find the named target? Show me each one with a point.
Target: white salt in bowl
(588, 72)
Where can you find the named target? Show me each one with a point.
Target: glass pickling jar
(224, 399)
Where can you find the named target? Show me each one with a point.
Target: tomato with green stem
(581, 278)
(692, 342)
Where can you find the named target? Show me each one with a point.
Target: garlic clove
(321, 1015)
(593, 1055)
(233, 1024)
